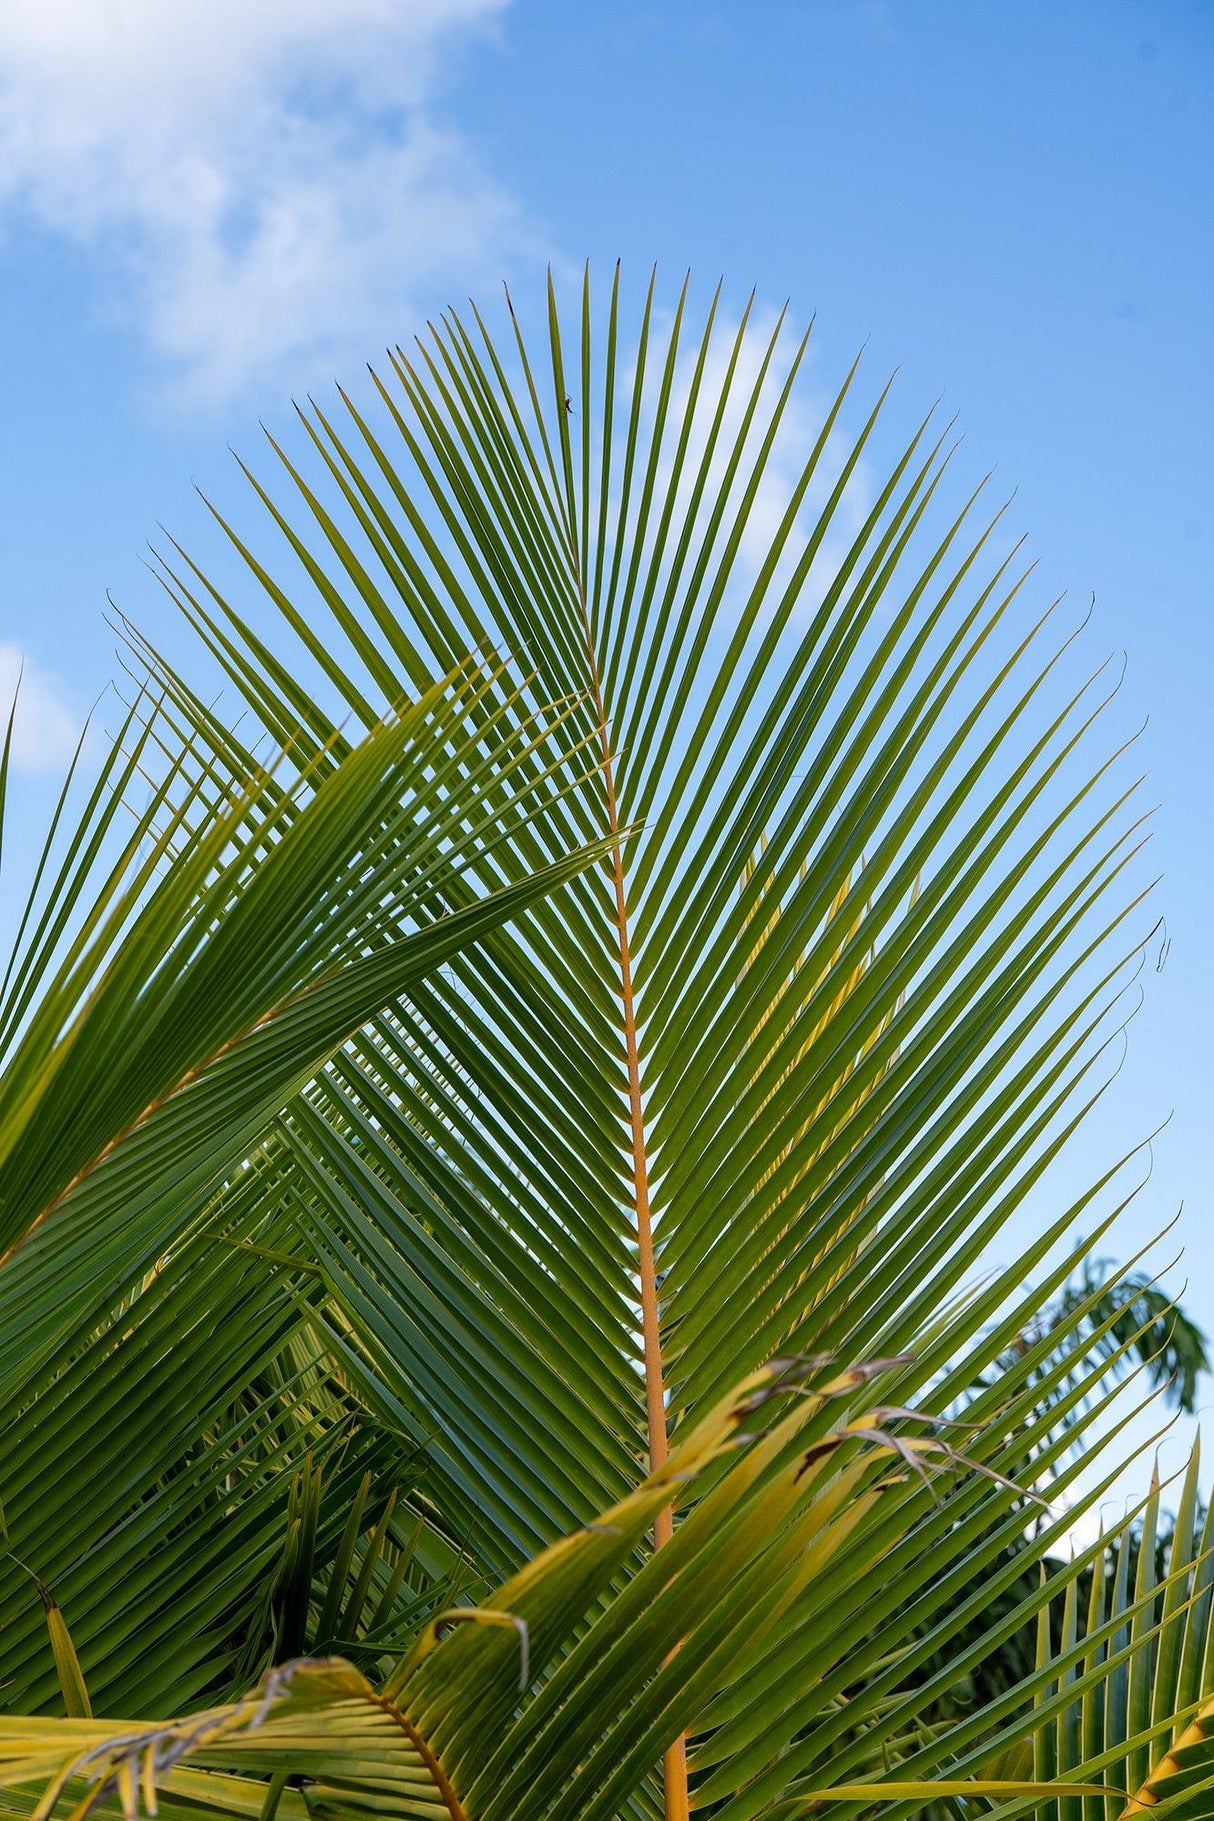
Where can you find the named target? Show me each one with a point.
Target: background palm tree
(425, 1131)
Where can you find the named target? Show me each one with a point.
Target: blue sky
(206, 207)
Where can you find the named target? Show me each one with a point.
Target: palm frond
(549, 1070)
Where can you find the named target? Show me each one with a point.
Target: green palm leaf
(166, 1377)
(531, 1197)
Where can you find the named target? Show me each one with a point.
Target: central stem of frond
(677, 1794)
(647, 1276)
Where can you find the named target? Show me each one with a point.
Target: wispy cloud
(268, 183)
(45, 727)
(800, 426)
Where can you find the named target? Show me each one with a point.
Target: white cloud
(45, 728)
(799, 429)
(267, 181)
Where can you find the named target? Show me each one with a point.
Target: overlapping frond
(556, 1694)
(163, 1369)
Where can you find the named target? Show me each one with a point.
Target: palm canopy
(493, 1085)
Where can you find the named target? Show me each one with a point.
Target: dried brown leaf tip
(798, 1375)
(915, 1451)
